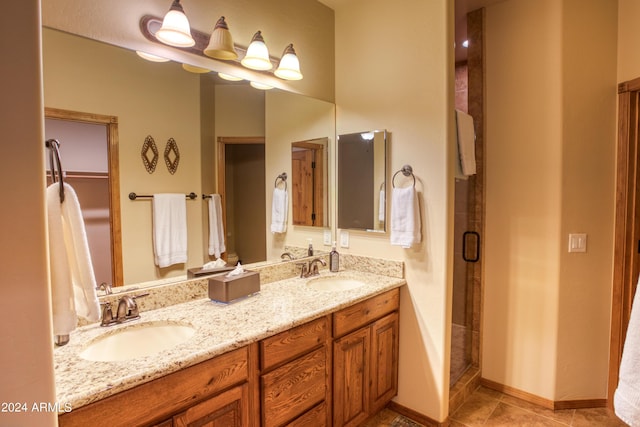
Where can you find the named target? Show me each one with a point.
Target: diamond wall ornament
(149, 145)
(172, 156)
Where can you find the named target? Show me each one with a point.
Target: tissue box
(227, 289)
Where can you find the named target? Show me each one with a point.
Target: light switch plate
(326, 237)
(578, 242)
(344, 239)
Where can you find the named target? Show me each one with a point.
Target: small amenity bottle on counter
(334, 259)
(310, 249)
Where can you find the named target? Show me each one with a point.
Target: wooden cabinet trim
(384, 361)
(229, 408)
(365, 312)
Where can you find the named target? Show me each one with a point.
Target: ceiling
(462, 7)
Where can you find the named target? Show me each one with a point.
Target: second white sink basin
(334, 283)
(138, 340)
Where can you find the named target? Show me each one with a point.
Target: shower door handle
(474, 236)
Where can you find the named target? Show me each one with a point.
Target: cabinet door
(351, 378)
(228, 409)
(384, 361)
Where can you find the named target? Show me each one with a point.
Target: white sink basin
(136, 341)
(334, 284)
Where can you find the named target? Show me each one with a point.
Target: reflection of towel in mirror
(169, 229)
(382, 203)
(466, 142)
(626, 399)
(405, 217)
(216, 230)
(279, 207)
(73, 283)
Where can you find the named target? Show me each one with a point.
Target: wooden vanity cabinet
(295, 373)
(216, 390)
(365, 358)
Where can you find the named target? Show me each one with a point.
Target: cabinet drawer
(315, 417)
(290, 344)
(292, 389)
(352, 318)
(158, 399)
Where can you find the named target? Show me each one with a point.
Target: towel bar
(134, 196)
(283, 178)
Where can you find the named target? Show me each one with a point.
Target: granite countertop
(220, 328)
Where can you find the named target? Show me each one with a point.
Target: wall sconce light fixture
(257, 57)
(221, 43)
(289, 66)
(151, 57)
(175, 30)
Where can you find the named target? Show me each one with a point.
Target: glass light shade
(175, 30)
(257, 57)
(221, 43)
(289, 67)
(194, 69)
(229, 77)
(151, 57)
(260, 86)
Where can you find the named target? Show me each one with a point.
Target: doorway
(626, 261)
(241, 185)
(466, 331)
(89, 151)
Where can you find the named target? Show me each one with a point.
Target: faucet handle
(303, 269)
(107, 314)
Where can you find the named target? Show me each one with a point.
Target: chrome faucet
(127, 310)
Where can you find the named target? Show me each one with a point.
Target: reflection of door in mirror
(88, 148)
(307, 192)
(241, 184)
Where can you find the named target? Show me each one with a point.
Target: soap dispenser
(310, 250)
(334, 259)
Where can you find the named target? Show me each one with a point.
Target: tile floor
(487, 407)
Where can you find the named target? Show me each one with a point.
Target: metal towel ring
(406, 171)
(54, 160)
(283, 178)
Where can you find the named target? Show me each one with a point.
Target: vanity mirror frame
(362, 163)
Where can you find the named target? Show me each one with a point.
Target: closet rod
(134, 196)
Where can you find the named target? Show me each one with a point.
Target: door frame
(626, 226)
(115, 224)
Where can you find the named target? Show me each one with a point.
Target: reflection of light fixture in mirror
(194, 69)
(175, 30)
(465, 43)
(260, 86)
(221, 43)
(229, 77)
(367, 136)
(257, 57)
(151, 57)
(289, 67)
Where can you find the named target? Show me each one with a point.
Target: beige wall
(157, 99)
(628, 53)
(550, 168)
(26, 359)
(394, 71)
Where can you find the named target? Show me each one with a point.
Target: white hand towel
(626, 398)
(466, 142)
(169, 229)
(73, 283)
(216, 229)
(279, 207)
(405, 217)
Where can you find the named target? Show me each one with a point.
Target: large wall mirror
(164, 101)
(362, 183)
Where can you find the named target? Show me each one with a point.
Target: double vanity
(314, 351)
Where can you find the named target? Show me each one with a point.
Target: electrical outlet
(344, 239)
